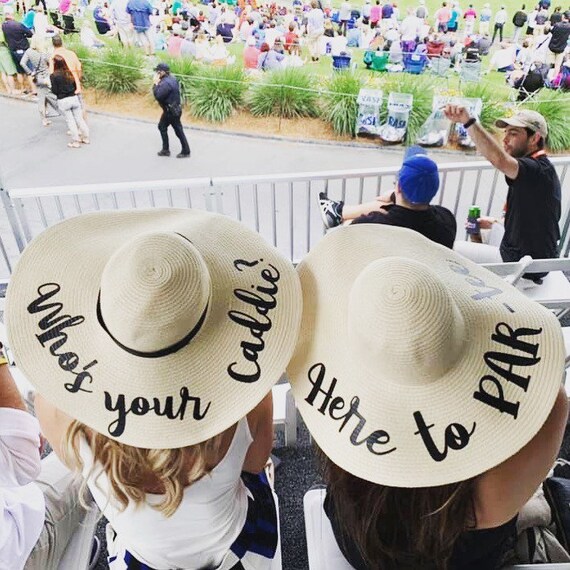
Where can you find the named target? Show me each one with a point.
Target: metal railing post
(12, 218)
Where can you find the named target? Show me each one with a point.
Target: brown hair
(399, 528)
(127, 468)
(60, 68)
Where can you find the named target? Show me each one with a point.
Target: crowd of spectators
(276, 36)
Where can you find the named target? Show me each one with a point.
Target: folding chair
(415, 64)
(470, 71)
(69, 24)
(441, 66)
(55, 19)
(554, 291)
(322, 548)
(380, 61)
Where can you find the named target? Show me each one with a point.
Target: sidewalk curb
(368, 146)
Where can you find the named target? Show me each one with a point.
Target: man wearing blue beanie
(408, 206)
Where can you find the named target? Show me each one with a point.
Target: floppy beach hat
(416, 367)
(157, 328)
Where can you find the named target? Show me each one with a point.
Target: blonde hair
(127, 467)
(38, 43)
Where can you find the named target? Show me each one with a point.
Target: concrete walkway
(124, 150)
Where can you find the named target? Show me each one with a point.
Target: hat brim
(193, 383)
(383, 442)
(512, 122)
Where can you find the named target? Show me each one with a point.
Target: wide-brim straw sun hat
(157, 328)
(415, 367)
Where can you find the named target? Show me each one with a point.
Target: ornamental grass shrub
(216, 92)
(339, 102)
(554, 106)
(90, 60)
(493, 108)
(289, 93)
(119, 70)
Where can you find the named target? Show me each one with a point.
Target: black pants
(498, 28)
(169, 119)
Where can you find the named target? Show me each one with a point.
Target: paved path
(125, 150)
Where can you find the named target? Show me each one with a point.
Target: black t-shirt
(533, 211)
(519, 19)
(560, 34)
(436, 223)
(61, 86)
(474, 550)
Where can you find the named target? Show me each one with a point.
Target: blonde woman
(162, 334)
(35, 62)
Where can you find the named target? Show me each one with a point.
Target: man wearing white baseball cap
(434, 391)
(153, 338)
(533, 201)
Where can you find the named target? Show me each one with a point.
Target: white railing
(282, 207)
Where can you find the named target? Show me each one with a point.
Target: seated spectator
(226, 31)
(369, 347)
(88, 37)
(408, 206)
(269, 59)
(338, 44)
(201, 44)
(396, 54)
(102, 24)
(174, 42)
(329, 29)
(503, 59)
(435, 46)
(182, 481)
(271, 33)
(353, 36)
(218, 53)
(294, 58)
(250, 54)
(291, 38)
(245, 29)
(484, 44)
(524, 55)
(471, 53)
(528, 83)
(562, 79)
(188, 47)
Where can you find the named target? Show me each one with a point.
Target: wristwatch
(3, 359)
(469, 123)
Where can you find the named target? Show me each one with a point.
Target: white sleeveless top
(207, 522)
